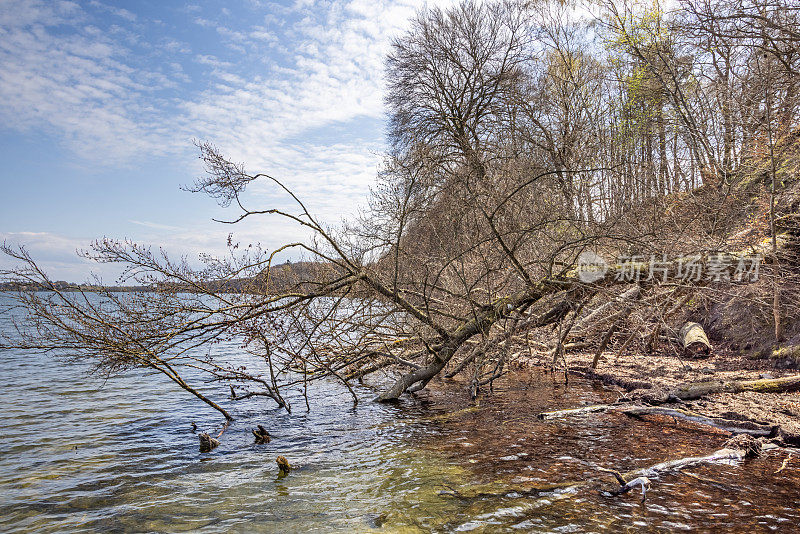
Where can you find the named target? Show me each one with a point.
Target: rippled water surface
(81, 454)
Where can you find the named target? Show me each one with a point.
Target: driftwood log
(737, 448)
(626, 485)
(644, 392)
(571, 412)
(728, 425)
(690, 391)
(696, 390)
(694, 340)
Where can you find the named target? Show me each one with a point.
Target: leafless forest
(522, 137)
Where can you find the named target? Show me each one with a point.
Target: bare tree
(521, 137)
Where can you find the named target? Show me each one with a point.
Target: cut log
(694, 340)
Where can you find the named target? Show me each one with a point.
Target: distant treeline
(281, 279)
(66, 286)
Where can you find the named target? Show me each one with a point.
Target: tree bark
(598, 313)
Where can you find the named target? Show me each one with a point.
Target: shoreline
(639, 377)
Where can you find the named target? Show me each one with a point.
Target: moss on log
(696, 390)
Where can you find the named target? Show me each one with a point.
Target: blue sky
(100, 101)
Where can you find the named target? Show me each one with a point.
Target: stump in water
(283, 466)
(207, 443)
(745, 442)
(694, 340)
(261, 435)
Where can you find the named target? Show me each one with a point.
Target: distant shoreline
(68, 286)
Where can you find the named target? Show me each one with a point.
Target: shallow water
(509, 451)
(85, 455)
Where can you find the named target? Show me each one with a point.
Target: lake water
(84, 455)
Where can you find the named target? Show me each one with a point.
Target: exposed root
(750, 445)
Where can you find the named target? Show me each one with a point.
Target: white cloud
(157, 226)
(56, 252)
(212, 61)
(108, 105)
(79, 84)
(120, 12)
(75, 85)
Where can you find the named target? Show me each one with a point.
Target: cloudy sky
(100, 101)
